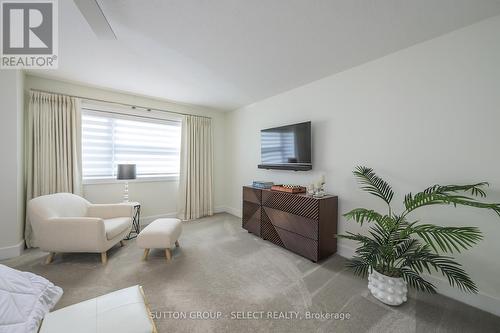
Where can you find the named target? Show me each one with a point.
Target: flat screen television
(286, 147)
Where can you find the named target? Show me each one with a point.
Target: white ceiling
(230, 53)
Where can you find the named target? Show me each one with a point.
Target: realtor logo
(29, 34)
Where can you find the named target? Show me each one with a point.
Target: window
(109, 139)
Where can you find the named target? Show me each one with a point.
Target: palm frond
(456, 275)
(448, 239)
(419, 259)
(380, 235)
(465, 201)
(362, 215)
(414, 280)
(356, 237)
(437, 196)
(406, 246)
(373, 184)
(475, 189)
(359, 266)
(422, 259)
(421, 199)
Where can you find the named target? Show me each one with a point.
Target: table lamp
(126, 172)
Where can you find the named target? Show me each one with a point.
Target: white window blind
(109, 139)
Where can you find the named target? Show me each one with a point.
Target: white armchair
(65, 222)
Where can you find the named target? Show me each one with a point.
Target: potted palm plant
(398, 249)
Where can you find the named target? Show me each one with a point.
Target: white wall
(12, 174)
(156, 198)
(424, 115)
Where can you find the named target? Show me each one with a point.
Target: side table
(136, 226)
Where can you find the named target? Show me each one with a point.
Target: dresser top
(328, 196)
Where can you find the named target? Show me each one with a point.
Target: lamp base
(125, 193)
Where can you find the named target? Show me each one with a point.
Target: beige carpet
(221, 268)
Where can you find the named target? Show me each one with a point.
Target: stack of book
(262, 185)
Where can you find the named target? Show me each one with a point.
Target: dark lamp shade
(126, 171)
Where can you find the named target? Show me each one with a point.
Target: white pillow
(25, 298)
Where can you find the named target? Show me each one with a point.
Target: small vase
(388, 290)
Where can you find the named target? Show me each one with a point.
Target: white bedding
(25, 298)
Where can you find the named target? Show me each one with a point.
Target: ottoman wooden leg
(168, 254)
(145, 255)
(177, 243)
(50, 257)
(104, 257)
(122, 243)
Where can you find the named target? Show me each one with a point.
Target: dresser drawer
(296, 204)
(252, 195)
(294, 223)
(304, 246)
(251, 217)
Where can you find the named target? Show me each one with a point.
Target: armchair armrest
(107, 211)
(72, 234)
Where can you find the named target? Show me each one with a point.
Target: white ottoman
(125, 310)
(160, 234)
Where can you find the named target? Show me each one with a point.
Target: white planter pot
(388, 290)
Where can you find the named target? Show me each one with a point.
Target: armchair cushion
(116, 226)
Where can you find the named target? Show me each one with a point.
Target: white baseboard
(145, 220)
(12, 251)
(220, 209)
(481, 300)
(344, 250)
(234, 211)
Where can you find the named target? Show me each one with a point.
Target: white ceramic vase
(388, 290)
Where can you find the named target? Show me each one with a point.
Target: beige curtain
(195, 187)
(53, 148)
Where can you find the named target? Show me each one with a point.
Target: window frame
(128, 114)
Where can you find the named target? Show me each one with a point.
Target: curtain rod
(129, 115)
(122, 104)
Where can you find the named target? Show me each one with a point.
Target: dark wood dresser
(297, 222)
